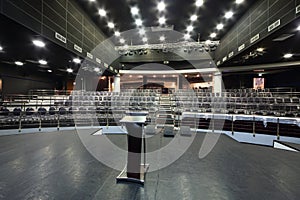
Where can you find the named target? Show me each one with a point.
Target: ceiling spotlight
(97, 69)
(138, 22)
(145, 39)
(111, 25)
(199, 3)
(213, 35)
(228, 15)
(298, 28)
(38, 43)
(190, 28)
(288, 55)
(122, 41)
(1, 48)
(162, 38)
(92, 0)
(194, 18)
(260, 49)
(49, 70)
(161, 6)
(260, 75)
(102, 12)
(220, 26)
(19, 63)
(117, 33)
(187, 36)
(239, 1)
(142, 31)
(162, 20)
(77, 60)
(43, 62)
(134, 11)
(69, 70)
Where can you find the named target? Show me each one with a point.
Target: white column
(117, 83)
(217, 82)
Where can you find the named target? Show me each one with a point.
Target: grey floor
(57, 166)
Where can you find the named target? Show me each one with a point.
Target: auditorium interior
(157, 99)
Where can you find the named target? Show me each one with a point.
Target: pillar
(217, 82)
(117, 83)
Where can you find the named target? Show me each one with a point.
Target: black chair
(52, 111)
(17, 111)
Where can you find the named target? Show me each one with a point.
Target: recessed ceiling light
(162, 20)
(220, 26)
(69, 70)
(102, 12)
(298, 28)
(19, 63)
(260, 49)
(117, 33)
(38, 43)
(213, 35)
(187, 36)
(134, 11)
(194, 18)
(288, 55)
(76, 60)
(97, 69)
(162, 38)
(239, 1)
(92, 0)
(145, 39)
(111, 25)
(228, 15)
(199, 3)
(138, 22)
(122, 41)
(142, 31)
(43, 62)
(49, 70)
(161, 6)
(1, 48)
(190, 28)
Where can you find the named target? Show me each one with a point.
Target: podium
(134, 170)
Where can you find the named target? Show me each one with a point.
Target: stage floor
(57, 166)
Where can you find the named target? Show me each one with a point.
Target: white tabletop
(134, 119)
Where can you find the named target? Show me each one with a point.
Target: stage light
(43, 62)
(111, 25)
(162, 38)
(213, 35)
(288, 55)
(38, 43)
(260, 49)
(298, 28)
(69, 70)
(1, 48)
(122, 41)
(161, 6)
(77, 60)
(49, 70)
(239, 1)
(228, 15)
(145, 39)
(199, 3)
(142, 31)
(190, 28)
(19, 63)
(134, 11)
(220, 26)
(194, 18)
(138, 22)
(102, 12)
(162, 20)
(117, 33)
(187, 36)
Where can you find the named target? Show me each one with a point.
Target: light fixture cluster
(135, 12)
(228, 15)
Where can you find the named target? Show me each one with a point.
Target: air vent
(89, 55)
(60, 38)
(274, 25)
(283, 37)
(98, 60)
(77, 48)
(298, 9)
(241, 47)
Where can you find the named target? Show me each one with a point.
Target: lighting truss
(171, 46)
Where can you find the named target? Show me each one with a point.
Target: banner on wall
(258, 83)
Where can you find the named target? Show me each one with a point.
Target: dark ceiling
(177, 13)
